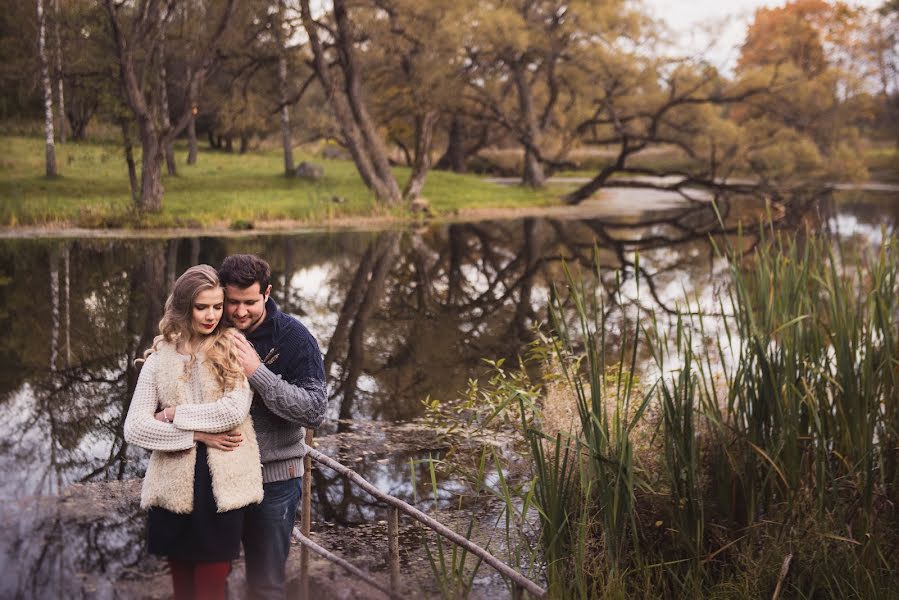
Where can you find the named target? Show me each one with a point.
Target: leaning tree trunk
(424, 132)
(62, 99)
(286, 138)
(359, 133)
(50, 148)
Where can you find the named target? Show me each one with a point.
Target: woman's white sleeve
(141, 427)
(224, 414)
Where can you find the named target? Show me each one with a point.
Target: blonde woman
(191, 408)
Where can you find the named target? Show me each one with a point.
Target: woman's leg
(182, 579)
(210, 579)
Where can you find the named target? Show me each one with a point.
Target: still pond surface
(400, 315)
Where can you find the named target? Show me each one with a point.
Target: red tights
(199, 580)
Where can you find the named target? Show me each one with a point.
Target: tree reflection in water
(400, 315)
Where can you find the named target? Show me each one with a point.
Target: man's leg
(266, 539)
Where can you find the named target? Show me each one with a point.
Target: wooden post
(508, 572)
(393, 547)
(306, 521)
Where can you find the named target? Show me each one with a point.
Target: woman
(191, 408)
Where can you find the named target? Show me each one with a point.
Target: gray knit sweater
(290, 392)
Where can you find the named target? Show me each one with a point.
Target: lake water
(400, 314)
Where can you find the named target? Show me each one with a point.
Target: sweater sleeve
(303, 403)
(141, 427)
(224, 414)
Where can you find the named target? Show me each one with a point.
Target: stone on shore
(310, 171)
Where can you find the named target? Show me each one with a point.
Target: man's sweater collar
(268, 325)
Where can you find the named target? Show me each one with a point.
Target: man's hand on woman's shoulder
(246, 354)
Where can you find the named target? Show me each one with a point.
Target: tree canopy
(433, 83)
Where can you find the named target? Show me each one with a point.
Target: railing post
(393, 547)
(306, 521)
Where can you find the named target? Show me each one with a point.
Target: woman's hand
(166, 415)
(226, 441)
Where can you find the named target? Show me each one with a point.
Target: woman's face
(207, 310)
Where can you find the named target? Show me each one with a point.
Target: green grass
(882, 161)
(221, 190)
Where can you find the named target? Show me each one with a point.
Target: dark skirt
(205, 534)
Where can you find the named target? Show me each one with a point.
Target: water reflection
(400, 315)
(77, 547)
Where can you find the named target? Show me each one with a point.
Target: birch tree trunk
(59, 78)
(286, 138)
(67, 286)
(50, 148)
(54, 307)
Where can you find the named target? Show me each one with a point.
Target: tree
(58, 73)
(138, 34)
(645, 102)
(816, 50)
(342, 83)
(530, 67)
(50, 148)
(283, 89)
(411, 65)
(884, 51)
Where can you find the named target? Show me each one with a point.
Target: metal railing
(519, 582)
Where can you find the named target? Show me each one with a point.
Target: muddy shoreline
(88, 542)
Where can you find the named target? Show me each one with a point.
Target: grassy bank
(761, 462)
(223, 189)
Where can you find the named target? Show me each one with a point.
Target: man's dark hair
(243, 270)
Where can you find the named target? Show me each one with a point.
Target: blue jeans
(266, 538)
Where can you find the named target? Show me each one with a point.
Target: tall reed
(761, 455)
(775, 435)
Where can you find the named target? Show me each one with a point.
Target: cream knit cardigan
(202, 406)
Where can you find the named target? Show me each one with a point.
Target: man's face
(245, 307)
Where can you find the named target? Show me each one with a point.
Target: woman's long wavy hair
(177, 325)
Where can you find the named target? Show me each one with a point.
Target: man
(283, 363)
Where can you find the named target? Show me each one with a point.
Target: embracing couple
(222, 399)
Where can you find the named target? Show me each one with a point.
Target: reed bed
(761, 459)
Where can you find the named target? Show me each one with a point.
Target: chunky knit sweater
(290, 392)
(201, 406)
